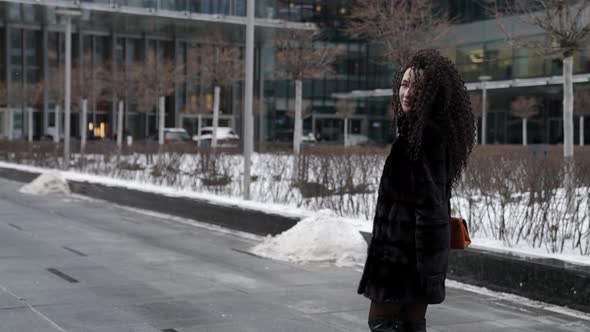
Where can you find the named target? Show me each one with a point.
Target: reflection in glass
(498, 57)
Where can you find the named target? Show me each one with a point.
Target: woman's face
(405, 89)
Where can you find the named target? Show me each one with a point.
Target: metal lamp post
(484, 110)
(68, 14)
(248, 86)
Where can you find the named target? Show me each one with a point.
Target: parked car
(358, 139)
(308, 138)
(50, 134)
(226, 137)
(173, 135)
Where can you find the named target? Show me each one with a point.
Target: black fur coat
(408, 253)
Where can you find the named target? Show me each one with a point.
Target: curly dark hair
(438, 97)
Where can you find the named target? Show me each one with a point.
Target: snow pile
(323, 237)
(47, 184)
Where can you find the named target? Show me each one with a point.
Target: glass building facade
(121, 32)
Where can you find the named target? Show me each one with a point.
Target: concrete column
(147, 113)
(581, 124)
(9, 115)
(30, 124)
(568, 109)
(216, 97)
(313, 125)
(262, 111)
(84, 126)
(177, 86)
(22, 82)
(45, 37)
(297, 132)
(80, 77)
(113, 100)
(161, 123)
(120, 125)
(524, 131)
(127, 63)
(56, 116)
(484, 114)
(94, 120)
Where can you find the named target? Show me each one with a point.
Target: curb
(241, 219)
(542, 279)
(548, 280)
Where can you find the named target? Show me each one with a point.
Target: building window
(470, 61)
(498, 60)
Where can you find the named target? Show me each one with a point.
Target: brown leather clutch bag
(459, 234)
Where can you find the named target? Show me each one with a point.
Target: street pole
(248, 94)
(68, 14)
(84, 125)
(68, 83)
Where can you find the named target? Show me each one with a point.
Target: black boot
(386, 325)
(415, 326)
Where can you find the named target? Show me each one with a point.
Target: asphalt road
(72, 264)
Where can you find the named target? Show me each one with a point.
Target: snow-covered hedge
(511, 193)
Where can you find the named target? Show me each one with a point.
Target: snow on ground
(525, 250)
(518, 300)
(47, 184)
(320, 235)
(518, 216)
(281, 209)
(324, 237)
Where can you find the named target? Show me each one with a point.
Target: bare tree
(25, 96)
(401, 27)
(155, 79)
(259, 108)
(476, 107)
(582, 108)
(567, 24)
(300, 56)
(56, 95)
(195, 105)
(346, 108)
(218, 64)
(525, 107)
(306, 110)
(117, 83)
(87, 88)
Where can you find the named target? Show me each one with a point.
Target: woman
(408, 254)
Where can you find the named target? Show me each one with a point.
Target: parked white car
(226, 137)
(357, 139)
(176, 135)
(308, 138)
(50, 134)
(172, 135)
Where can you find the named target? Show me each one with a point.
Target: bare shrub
(515, 194)
(339, 178)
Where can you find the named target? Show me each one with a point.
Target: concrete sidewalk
(70, 264)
